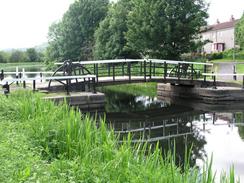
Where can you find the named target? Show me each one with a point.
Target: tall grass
(73, 148)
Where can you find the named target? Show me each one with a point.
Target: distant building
(220, 35)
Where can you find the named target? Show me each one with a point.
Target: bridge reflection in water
(170, 123)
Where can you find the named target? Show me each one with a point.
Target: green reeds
(75, 149)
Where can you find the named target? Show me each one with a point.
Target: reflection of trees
(195, 141)
(127, 112)
(160, 127)
(239, 118)
(122, 102)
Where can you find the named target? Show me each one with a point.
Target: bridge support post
(129, 71)
(165, 70)
(6, 88)
(94, 85)
(123, 69)
(17, 82)
(214, 82)
(108, 69)
(34, 85)
(178, 72)
(89, 84)
(96, 73)
(94, 69)
(150, 69)
(243, 82)
(24, 84)
(67, 86)
(1, 75)
(145, 70)
(154, 69)
(140, 68)
(205, 71)
(41, 75)
(113, 66)
(20, 76)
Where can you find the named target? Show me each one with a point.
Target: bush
(214, 56)
(228, 54)
(196, 57)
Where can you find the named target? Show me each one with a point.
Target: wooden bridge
(81, 75)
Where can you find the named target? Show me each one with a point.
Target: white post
(17, 71)
(23, 72)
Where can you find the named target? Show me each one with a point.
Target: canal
(207, 129)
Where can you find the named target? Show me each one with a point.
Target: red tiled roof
(220, 26)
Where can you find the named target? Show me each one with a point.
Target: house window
(219, 47)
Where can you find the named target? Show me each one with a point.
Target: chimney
(232, 18)
(217, 22)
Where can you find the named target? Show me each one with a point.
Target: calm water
(210, 129)
(217, 129)
(31, 68)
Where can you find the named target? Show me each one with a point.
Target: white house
(220, 35)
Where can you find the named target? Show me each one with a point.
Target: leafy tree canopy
(3, 57)
(17, 56)
(73, 37)
(239, 32)
(32, 55)
(110, 38)
(165, 28)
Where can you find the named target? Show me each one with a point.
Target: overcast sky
(24, 23)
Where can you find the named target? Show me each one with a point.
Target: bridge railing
(146, 68)
(215, 75)
(23, 74)
(87, 79)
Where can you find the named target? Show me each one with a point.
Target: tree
(3, 57)
(17, 56)
(32, 55)
(165, 28)
(239, 32)
(73, 37)
(110, 38)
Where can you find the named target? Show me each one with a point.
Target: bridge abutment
(208, 94)
(83, 100)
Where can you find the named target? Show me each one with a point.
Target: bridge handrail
(31, 72)
(221, 74)
(104, 61)
(136, 60)
(48, 78)
(179, 62)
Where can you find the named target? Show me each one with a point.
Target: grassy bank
(47, 143)
(226, 60)
(145, 89)
(240, 68)
(26, 65)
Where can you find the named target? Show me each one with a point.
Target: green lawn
(226, 60)
(145, 89)
(240, 69)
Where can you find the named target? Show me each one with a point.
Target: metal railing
(146, 68)
(214, 76)
(7, 82)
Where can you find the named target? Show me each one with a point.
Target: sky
(25, 23)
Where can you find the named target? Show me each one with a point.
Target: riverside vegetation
(41, 142)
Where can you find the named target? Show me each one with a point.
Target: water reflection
(217, 129)
(120, 102)
(32, 68)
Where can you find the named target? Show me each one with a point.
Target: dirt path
(225, 68)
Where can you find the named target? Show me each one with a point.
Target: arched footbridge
(89, 74)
